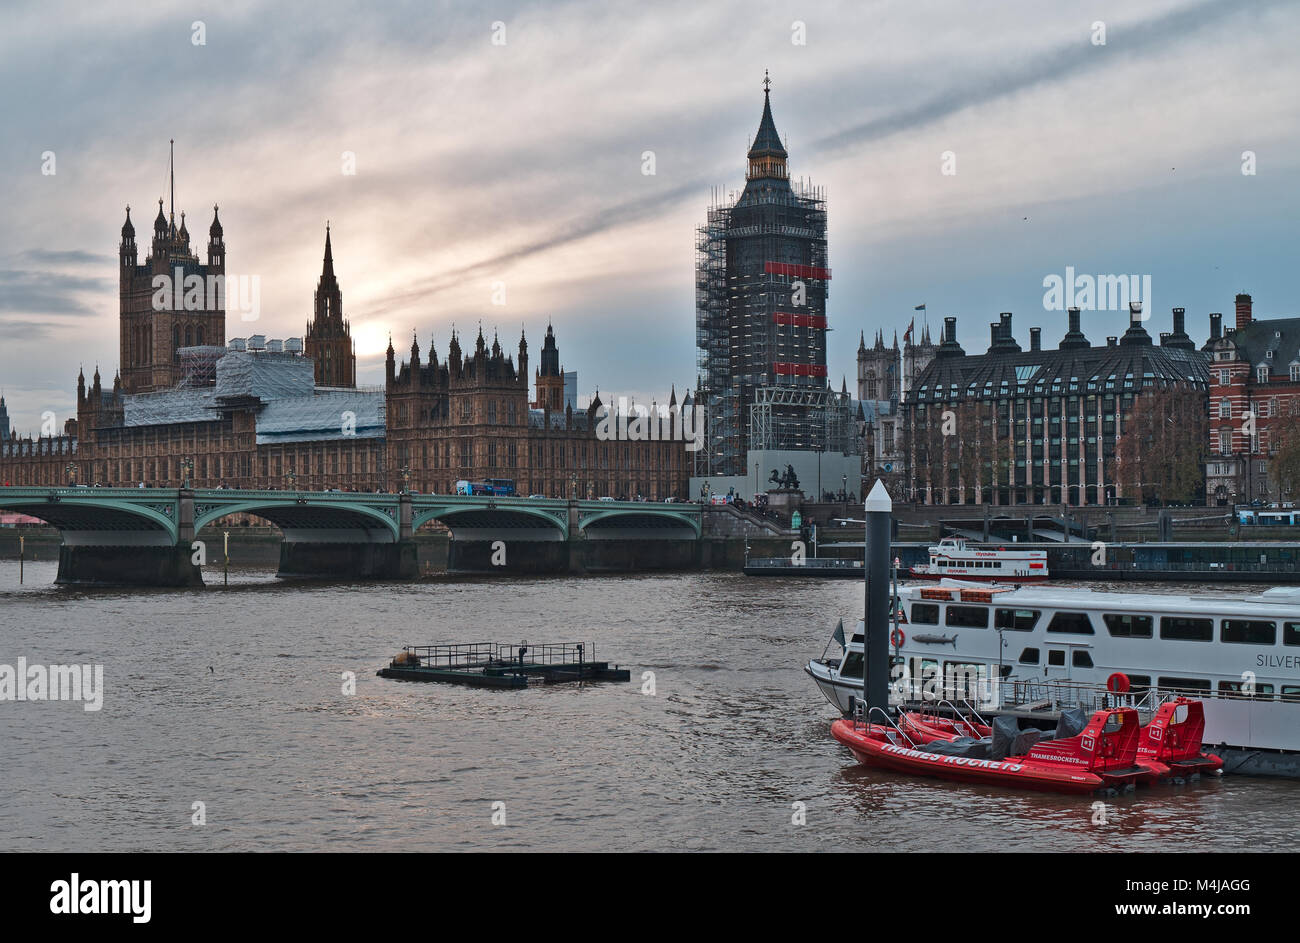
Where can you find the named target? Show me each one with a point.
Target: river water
(233, 697)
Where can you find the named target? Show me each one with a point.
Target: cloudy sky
(481, 162)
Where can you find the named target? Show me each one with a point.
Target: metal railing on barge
(469, 656)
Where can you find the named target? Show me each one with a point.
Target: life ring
(896, 638)
(1117, 683)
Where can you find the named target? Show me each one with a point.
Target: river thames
(234, 698)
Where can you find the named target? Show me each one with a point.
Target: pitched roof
(767, 143)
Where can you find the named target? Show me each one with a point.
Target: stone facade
(469, 419)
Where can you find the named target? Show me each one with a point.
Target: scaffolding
(813, 420)
(752, 334)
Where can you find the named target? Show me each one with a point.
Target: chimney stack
(950, 345)
(1112, 341)
(1074, 338)
(1035, 338)
(1180, 320)
(1216, 326)
(1243, 311)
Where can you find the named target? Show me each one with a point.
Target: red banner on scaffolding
(800, 320)
(798, 369)
(796, 271)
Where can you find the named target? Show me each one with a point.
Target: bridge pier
(349, 561)
(82, 565)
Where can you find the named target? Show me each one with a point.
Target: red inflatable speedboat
(1105, 754)
(927, 728)
(1170, 745)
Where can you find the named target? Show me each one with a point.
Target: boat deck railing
(1057, 694)
(471, 655)
(812, 563)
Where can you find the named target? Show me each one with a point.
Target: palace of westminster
(188, 406)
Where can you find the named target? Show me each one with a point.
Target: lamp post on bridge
(71, 469)
(187, 466)
(406, 479)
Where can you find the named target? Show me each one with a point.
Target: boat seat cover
(962, 746)
(1071, 723)
(1005, 731)
(1024, 741)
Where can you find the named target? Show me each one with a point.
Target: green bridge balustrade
(146, 535)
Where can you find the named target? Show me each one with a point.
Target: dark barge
(494, 665)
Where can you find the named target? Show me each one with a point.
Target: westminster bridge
(149, 536)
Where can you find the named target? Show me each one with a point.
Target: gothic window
(176, 336)
(189, 336)
(198, 338)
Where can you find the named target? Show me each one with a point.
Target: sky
(500, 157)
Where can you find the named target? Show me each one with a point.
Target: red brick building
(1254, 391)
(470, 419)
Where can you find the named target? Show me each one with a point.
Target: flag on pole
(839, 633)
(907, 335)
(919, 308)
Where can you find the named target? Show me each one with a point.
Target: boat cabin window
(1081, 659)
(1029, 656)
(852, 665)
(1071, 623)
(970, 617)
(1291, 633)
(1056, 657)
(1138, 683)
(1020, 620)
(1262, 692)
(924, 613)
(1126, 625)
(1182, 628)
(1184, 684)
(1249, 631)
(961, 679)
(1291, 692)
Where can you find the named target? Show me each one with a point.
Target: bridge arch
(79, 513)
(303, 518)
(636, 517)
(494, 520)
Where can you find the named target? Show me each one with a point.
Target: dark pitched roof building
(1058, 412)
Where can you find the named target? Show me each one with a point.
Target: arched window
(176, 335)
(189, 336)
(198, 336)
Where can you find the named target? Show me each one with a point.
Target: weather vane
(767, 82)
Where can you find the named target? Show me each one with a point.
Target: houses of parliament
(188, 405)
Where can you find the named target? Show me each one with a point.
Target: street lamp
(293, 478)
(406, 478)
(71, 469)
(187, 466)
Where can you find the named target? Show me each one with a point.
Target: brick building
(469, 418)
(280, 414)
(1254, 397)
(1013, 426)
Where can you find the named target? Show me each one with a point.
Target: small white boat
(953, 557)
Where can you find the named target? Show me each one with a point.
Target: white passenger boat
(953, 557)
(1037, 645)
